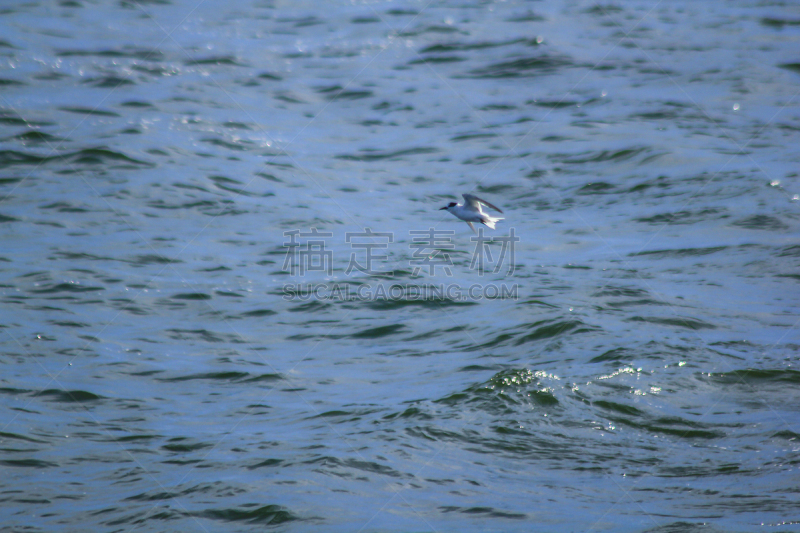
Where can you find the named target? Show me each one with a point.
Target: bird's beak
(442, 208)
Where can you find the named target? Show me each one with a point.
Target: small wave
(391, 304)
(191, 296)
(410, 413)
(27, 463)
(334, 93)
(152, 259)
(108, 82)
(547, 329)
(89, 156)
(227, 60)
(775, 22)
(597, 187)
(683, 217)
(270, 515)
(36, 137)
(681, 322)
(16, 436)
(433, 28)
(436, 59)
(179, 447)
(487, 511)
(504, 389)
(680, 252)
(480, 45)
(379, 155)
(755, 376)
(259, 313)
(88, 111)
(616, 355)
(238, 146)
(794, 67)
(761, 222)
(378, 332)
(553, 104)
(471, 136)
(67, 287)
(601, 156)
(630, 292)
(65, 396)
(266, 463)
(202, 335)
(790, 251)
(124, 52)
(523, 67)
(234, 377)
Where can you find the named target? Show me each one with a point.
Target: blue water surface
(230, 301)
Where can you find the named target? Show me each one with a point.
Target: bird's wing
(472, 227)
(475, 202)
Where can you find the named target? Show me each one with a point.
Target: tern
(470, 211)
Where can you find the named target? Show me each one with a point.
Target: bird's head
(448, 206)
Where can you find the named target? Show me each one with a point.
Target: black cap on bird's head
(448, 206)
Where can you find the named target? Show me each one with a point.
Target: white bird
(471, 211)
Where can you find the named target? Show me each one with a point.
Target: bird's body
(470, 211)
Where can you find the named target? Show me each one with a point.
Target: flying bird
(470, 211)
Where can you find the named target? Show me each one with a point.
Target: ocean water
(229, 300)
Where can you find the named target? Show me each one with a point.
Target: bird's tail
(489, 222)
